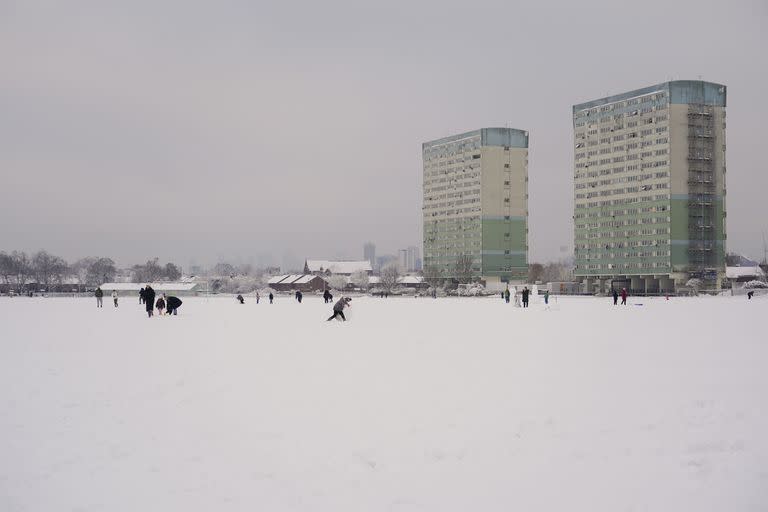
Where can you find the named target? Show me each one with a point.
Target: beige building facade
(649, 188)
(475, 209)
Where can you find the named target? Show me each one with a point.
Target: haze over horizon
(242, 132)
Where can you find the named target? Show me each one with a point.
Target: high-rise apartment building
(649, 174)
(475, 207)
(369, 253)
(408, 259)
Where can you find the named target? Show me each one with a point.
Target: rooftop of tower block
(679, 91)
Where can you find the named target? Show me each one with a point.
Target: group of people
(525, 294)
(164, 304)
(99, 294)
(616, 295)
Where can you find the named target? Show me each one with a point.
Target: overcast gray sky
(200, 131)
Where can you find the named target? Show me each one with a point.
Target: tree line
(19, 269)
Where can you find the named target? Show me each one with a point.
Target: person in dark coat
(149, 300)
(326, 294)
(623, 296)
(99, 294)
(338, 308)
(526, 294)
(172, 304)
(141, 296)
(505, 295)
(240, 299)
(749, 295)
(615, 296)
(271, 297)
(299, 296)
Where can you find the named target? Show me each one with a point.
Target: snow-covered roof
(411, 280)
(738, 272)
(374, 280)
(160, 287)
(291, 279)
(339, 267)
(276, 279)
(306, 278)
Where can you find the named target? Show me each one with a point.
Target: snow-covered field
(412, 405)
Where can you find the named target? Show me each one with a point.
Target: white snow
(412, 405)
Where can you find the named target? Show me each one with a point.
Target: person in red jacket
(623, 296)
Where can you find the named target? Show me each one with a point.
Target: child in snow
(114, 297)
(240, 299)
(338, 308)
(623, 296)
(160, 305)
(271, 297)
(99, 300)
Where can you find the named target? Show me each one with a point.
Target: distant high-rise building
(649, 175)
(408, 259)
(413, 258)
(369, 253)
(402, 260)
(476, 204)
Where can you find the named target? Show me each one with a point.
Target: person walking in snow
(271, 297)
(172, 305)
(615, 296)
(623, 296)
(141, 296)
(526, 294)
(338, 308)
(325, 296)
(114, 297)
(257, 297)
(160, 305)
(149, 300)
(749, 295)
(546, 297)
(99, 297)
(299, 296)
(505, 295)
(240, 299)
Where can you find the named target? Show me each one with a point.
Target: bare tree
(463, 269)
(390, 275)
(360, 279)
(535, 272)
(48, 269)
(171, 272)
(224, 269)
(79, 270)
(433, 276)
(149, 272)
(337, 282)
(101, 270)
(22, 268)
(6, 267)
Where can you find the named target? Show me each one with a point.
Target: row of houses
(313, 283)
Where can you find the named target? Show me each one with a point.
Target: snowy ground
(412, 405)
